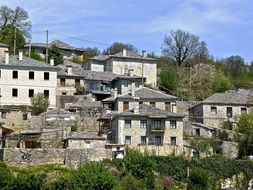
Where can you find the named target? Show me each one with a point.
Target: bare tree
(181, 45)
(17, 17)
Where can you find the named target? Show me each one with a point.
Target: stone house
(125, 62)
(145, 127)
(22, 78)
(141, 95)
(222, 107)
(65, 49)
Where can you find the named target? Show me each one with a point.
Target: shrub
(129, 182)
(198, 179)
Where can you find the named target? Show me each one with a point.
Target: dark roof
(14, 62)
(3, 45)
(144, 110)
(240, 96)
(147, 93)
(84, 135)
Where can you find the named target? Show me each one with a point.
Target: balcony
(157, 129)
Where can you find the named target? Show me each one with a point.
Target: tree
(169, 79)
(17, 17)
(181, 46)
(221, 83)
(244, 134)
(90, 52)
(117, 47)
(39, 103)
(7, 36)
(55, 53)
(234, 66)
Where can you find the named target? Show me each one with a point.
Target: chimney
(20, 55)
(69, 70)
(114, 93)
(136, 110)
(7, 57)
(52, 61)
(124, 52)
(144, 54)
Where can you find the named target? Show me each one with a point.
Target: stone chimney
(20, 55)
(7, 57)
(144, 54)
(69, 69)
(124, 53)
(132, 89)
(52, 61)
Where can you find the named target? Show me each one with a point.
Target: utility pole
(15, 38)
(30, 50)
(46, 46)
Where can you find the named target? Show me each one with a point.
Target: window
(140, 103)
(137, 84)
(127, 123)
(31, 75)
(87, 145)
(213, 110)
(14, 92)
(158, 140)
(143, 140)
(0, 73)
(173, 140)
(157, 124)
(152, 104)
(243, 110)
(125, 106)
(173, 124)
(30, 93)
(14, 74)
(46, 93)
(167, 106)
(62, 82)
(128, 140)
(3, 115)
(229, 112)
(46, 75)
(24, 116)
(197, 132)
(144, 123)
(77, 82)
(64, 93)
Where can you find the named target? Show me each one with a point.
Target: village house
(22, 78)
(222, 107)
(125, 62)
(141, 95)
(145, 127)
(65, 49)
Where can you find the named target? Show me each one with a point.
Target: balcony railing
(158, 129)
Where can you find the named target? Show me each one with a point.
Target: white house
(21, 78)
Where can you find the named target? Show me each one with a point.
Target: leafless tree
(181, 45)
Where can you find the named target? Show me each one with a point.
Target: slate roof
(3, 45)
(26, 62)
(147, 93)
(57, 113)
(84, 135)
(240, 96)
(100, 57)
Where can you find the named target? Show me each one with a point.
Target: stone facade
(3, 49)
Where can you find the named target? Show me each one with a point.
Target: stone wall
(229, 149)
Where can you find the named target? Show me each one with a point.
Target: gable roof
(240, 96)
(84, 135)
(27, 63)
(3, 45)
(147, 93)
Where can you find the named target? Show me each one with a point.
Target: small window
(30, 93)
(229, 112)
(214, 110)
(77, 82)
(128, 140)
(24, 116)
(144, 123)
(167, 106)
(143, 140)
(14, 92)
(125, 106)
(158, 140)
(173, 124)
(62, 82)
(197, 131)
(152, 104)
(46, 75)
(31, 75)
(14, 74)
(173, 140)
(157, 124)
(64, 93)
(140, 103)
(46, 93)
(3, 115)
(243, 110)
(127, 123)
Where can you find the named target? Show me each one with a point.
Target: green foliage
(74, 127)
(200, 144)
(39, 103)
(129, 182)
(35, 56)
(244, 134)
(169, 79)
(93, 176)
(77, 59)
(199, 179)
(221, 83)
(7, 36)
(89, 53)
(55, 54)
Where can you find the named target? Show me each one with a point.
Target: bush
(129, 182)
(198, 179)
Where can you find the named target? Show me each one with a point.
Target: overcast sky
(225, 25)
